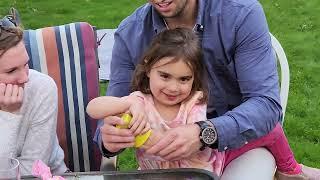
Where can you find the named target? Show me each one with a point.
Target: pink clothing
(189, 112)
(209, 159)
(276, 142)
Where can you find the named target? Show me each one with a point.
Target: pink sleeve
(197, 113)
(143, 97)
(138, 94)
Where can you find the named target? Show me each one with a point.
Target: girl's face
(170, 82)
(14, 67)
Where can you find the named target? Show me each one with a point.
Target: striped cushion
(67, 53)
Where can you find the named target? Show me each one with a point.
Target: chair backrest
(67, 53)
(284, 73)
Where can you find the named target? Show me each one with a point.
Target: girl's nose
(173, 86)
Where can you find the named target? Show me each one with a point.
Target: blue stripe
(27, 45)
(75, 97)
(34, 50)
(91, 145)
(65, 97)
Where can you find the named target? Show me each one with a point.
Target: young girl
(28, 106)
(169, 90)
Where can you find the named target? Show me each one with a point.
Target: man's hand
(115, 139)
(11, 97)
(178, 143)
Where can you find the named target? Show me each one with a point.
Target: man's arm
(121, 69)
(257, 76)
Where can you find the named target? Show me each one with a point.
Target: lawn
(295, 23)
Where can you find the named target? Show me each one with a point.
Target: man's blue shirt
(241, 65)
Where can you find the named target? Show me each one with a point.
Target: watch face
(209, 135)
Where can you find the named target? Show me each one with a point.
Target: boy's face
(14, 67)
(170, 82)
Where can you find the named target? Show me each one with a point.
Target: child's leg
(282, 152)
(277, 144)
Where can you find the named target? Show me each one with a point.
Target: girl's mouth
(171, 97)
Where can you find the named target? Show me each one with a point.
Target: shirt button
(246, 142)
(225, 148)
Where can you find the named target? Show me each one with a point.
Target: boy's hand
(139, 123)
(11, 97)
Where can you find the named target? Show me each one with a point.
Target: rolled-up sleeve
(257, 76)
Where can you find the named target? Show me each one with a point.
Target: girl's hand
(11, 97)
(139, 123)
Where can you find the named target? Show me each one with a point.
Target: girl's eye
(185, 79)
(164, 76)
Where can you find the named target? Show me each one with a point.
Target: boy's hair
(10, 34)
(181, 44)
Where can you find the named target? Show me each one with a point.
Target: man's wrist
(207, 135)
(215, 145)
(106, 153)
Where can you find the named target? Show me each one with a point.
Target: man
(244, 101)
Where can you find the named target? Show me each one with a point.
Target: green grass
(295, 23)
(103, 14)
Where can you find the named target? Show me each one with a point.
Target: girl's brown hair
(181, 44)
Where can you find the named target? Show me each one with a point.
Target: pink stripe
(91, 65)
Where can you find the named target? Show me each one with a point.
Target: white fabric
(105, 51)
(252, 165)
(29, 134)
(9, 127)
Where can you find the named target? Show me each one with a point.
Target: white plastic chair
(248, 166)
(285, 73)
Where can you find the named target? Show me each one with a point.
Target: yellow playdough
(139, 139)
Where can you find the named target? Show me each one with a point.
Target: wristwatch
(208, 135)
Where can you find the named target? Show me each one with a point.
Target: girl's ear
(148, 74)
